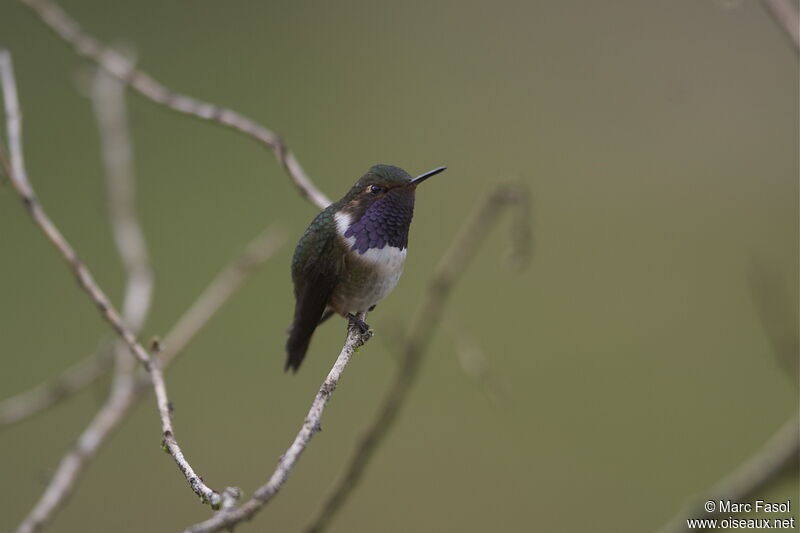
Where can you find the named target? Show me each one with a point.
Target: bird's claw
(362, 326)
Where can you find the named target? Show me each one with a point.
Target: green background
(628, 365)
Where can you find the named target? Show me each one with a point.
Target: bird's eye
(375, 189)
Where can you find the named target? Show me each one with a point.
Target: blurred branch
(256, 253)
(123, 395)
(76, 459)
(118, 65)
(474, 362)
(108, 99)
(778, 314)
(779, 320)
(449, 271)
(107, 96)
(209, 302)
(780, 452)
(45, 395)
(192, 321)
(33, 401)
(786, 14)
(230, 516)
(21, 184)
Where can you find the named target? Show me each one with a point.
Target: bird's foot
(354, 319)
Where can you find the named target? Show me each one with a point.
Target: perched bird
(352, 254)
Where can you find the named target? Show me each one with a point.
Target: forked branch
(230, 516)
(19, 180)
(108, 99)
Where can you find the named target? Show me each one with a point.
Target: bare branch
(108, 99)
(21, 184)
(778, 453)
(82, 375)
(448, 272)
(209, 302)
(45, 395)
(115, 63)
(226, 518)
(786, 15)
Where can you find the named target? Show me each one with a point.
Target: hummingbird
(352, 254)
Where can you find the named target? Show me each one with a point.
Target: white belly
(389, 262)
(371, 275)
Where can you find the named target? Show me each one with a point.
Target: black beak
(422, 177)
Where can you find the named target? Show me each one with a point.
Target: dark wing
(314, 272)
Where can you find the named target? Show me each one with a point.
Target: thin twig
(117, 64)
(21, 184)
(108, 99)
(191, 322)
(227, 518)
(448, 272)
(33, 401)
(775, 456)
(785, 13)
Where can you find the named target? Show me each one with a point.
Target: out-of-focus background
(628, 366)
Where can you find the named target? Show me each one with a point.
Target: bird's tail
(300, 335)
(297, 345)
